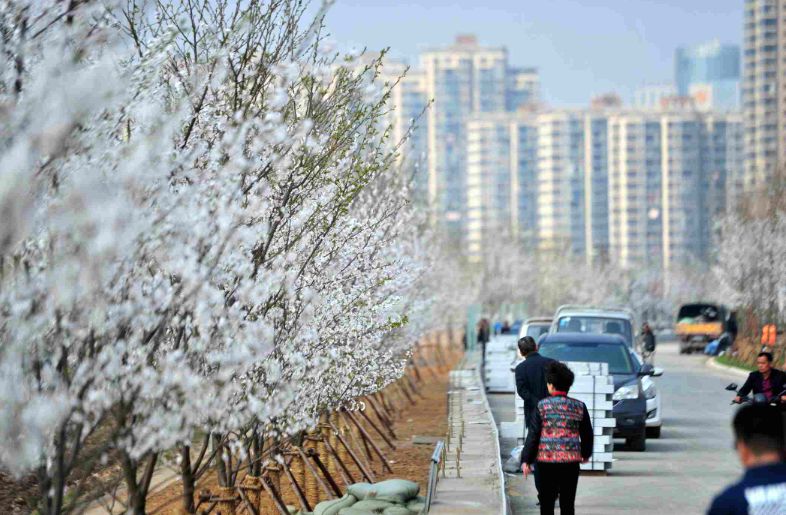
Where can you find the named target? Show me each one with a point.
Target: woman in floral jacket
(559, 440)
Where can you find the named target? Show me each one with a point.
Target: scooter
(758, 398)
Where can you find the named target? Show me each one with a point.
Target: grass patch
(730, 361)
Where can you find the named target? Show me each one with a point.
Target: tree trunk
(256, 455)
(52, 483)
(136, 499)
(189, 482)
(221, 468)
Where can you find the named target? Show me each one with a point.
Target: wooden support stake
(326, 473)
(279, 503)
(296, 487)
(368, 475)
(271, 475)
(370, 440)
(365, 447)
(254, 486)
(378, 430)
(310, 468)
(312, 480)
(382, 418)
(386, 404)
(406, 393)
(346, 475)
(249, 505)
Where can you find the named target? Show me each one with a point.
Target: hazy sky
(582, 47)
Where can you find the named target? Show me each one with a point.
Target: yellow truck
(699, 323)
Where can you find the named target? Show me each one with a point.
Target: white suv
(535, 327)
(591, 320)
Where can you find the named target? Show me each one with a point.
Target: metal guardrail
(437, 463)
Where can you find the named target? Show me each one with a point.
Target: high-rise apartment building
(523, 88)
(637, 187)
(560, 182)
(501, 180)
(666, 183)
(764, 91)
(491, 188)
(407, 116)
(709, 73)
(462, 80)
(596, 186)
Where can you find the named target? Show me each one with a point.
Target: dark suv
(630, 406)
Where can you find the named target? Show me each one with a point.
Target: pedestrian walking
(531, 376)
(559, 440)
(647, 343)
(531, 382)
(759, 441)
(484, 335)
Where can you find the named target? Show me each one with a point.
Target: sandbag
(398, 491)
(398, 510)
(373, 505)
(353, 511)
(417, 505)
(391, 509)
(332, 507)
(360, 490)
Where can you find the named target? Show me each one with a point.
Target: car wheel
(637, 443)
(653, 432)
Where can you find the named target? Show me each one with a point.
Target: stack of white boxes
(594, 387)
(501, 351)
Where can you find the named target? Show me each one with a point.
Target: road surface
(679, 473)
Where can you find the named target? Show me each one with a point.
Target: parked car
(595, 320)
(653, 398)
(632, 393)
(535, 327)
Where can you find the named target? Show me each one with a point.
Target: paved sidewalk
(473, 482)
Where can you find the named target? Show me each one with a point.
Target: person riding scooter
(767, 380)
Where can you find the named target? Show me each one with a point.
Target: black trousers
(557, 479)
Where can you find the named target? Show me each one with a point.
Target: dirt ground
(16, 495)
(427, 417)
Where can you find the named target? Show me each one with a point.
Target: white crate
(589, 398)
(595, 466)
(580, 368)
(511, 430)
(604, 422)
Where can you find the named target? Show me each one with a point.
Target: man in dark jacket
(559, 439)
(759, 433)
(767, 380)
(531, 377)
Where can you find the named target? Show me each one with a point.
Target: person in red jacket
(560, 438)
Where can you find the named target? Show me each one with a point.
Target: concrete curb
(712, 363)
(497, 450)
(474, 483)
